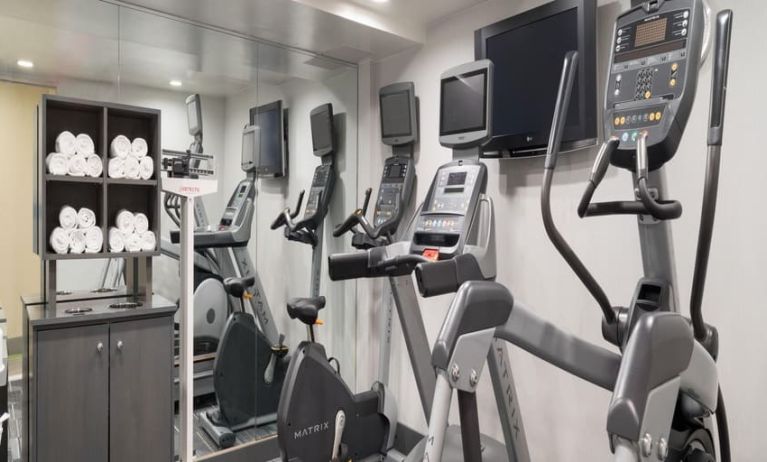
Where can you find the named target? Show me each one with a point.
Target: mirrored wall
(99, 51)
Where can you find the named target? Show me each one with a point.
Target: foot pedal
(339, 452)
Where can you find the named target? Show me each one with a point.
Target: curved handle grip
(350, 222)
(300, 201)
(368, 192)
(280, 221)
(598, 171)
(569, 69)
(719, 78)
(664, 210)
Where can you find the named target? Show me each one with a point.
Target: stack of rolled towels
(77, 232)
(129, 159)
(74, 156)
(131, 233)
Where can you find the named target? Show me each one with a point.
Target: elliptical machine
(249, 370)
(664, 382)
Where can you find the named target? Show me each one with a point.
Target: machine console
(443, 226)
(652, 78)
(319, 195)
(235, 208)
(396, 182)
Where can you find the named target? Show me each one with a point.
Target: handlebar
(371, 263)
(662, 210)
(358, 218)
(446, 276)
(368, 192)
(598, 171)
(719, 79)
(286, 217)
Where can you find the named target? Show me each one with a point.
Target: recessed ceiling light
(175, 83)
(25, 63)
(380, 1)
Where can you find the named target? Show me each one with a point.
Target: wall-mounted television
(270, 140)
(527, 51)
(323, 133)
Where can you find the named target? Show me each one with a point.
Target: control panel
(649, 87)
(323, 182)
(233, 213)
(443, 224)
(394, 192)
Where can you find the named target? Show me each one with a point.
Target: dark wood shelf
(90, 256)
(74, 179)
(150, 182)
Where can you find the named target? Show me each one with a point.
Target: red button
(431, 254)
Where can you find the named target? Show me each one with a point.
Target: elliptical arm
(601, 163)
(557, 128)
(286, 217)
(710, 190)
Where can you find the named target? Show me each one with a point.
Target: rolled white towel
(139, 148)
(57, 163)
(84, 145)
(68, 217)
(116, 240)
(140, 223)
(86, 218)
(66, 143)
(146, 168)
(125, 221)
(116, 168)
(77, 245)
(93, 166)
(120, 147)
(60, 240)
(94, 240)
(77, 165)
(131, 168)
(148, 241)
(133, 243)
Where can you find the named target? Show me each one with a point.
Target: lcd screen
(650, 32)
(462, 103)
(395, 115)
(322, 131)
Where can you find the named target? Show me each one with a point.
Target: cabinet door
(72, 394)
(141, 383)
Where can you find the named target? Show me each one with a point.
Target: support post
(186, 329)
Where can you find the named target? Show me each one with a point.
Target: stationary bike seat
(236, 286)
(306, 309)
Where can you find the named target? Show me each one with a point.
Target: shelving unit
(104, 195)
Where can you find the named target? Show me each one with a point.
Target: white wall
(81, 275)
(284, 266)
(565, 416)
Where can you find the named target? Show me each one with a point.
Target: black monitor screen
(270, 139)
(322, 130)
(527, 52)
(462, 103)
(528, 76)
(395, 114)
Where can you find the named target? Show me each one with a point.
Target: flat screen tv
(270, 140)
(527, 51)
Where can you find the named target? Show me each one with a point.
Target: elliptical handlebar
(711, 188)
(358, 218)
(569, 69)
(661, 210)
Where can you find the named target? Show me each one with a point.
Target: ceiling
(206, 43)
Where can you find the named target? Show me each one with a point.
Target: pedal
(339, 452)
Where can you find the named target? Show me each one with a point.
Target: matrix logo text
(310, 430)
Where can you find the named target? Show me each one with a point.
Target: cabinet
(100, 386)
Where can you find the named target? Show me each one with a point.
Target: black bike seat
(236, 286)
(306, 309)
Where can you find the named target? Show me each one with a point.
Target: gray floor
(203, 445)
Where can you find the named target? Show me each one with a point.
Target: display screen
(650, 32)
(322, 130)
(395, 171)
(463, 103)
(458, 178)
(270, 139)
(192, 116)
(528, 66)
(395, 114)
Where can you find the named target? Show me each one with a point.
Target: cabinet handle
(119, 344)
(100, 347)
